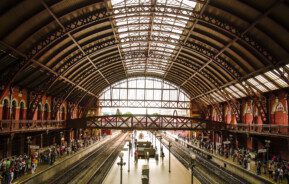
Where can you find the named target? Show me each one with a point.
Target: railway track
(184, 158)
(206, 171)
(92, 168)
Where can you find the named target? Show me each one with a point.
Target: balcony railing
(281, 130)
(7, 126)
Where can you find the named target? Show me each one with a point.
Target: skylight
(271, 80)
(150, 26)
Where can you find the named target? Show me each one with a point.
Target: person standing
(162, 155)
(135, 156)
(286, 173)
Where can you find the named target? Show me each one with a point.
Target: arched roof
(76, 48)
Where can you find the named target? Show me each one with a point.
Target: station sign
(34, 147)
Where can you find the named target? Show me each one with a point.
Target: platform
(46, 170)
(159, 170)
(232, 166)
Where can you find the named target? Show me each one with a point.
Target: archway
(13, 110)
(21, 111)
(39, 112)
(46, 111)
(5, 110)
(144, 95)
(62, 113)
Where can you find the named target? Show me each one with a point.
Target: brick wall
(20, 96)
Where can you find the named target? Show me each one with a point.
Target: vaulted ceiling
(74, 49)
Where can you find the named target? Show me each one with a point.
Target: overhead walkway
(146, 122)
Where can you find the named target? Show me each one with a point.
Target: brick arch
(46, 111)
(63, 112)
(39, 112)
(5, 98)
(14, 106)
(17, 103)
(22, 110)
(22, 101)
(5, 111)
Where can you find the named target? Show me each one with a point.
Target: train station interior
(144, 91)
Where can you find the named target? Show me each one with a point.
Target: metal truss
(146, 122)
(37, 94)
(145, 104)
(204, 79)
(102, 15)
(200, 49)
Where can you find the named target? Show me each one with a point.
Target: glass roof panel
(281, 83)
(265, 82)
(147, 25)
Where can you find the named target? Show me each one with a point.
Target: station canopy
(214, 51)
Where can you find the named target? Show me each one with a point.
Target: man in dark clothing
(286, 173)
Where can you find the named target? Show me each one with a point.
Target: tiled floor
(159, 170)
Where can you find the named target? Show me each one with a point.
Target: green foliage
(128, 114)
(155, 114)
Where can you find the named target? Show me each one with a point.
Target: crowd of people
(276, 168)
(17, 166)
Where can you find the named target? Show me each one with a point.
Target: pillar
(214, 141)
(76, 134)
(67, 136)
(58, 138)
(8, 147)
(22, 144)
(41, 140)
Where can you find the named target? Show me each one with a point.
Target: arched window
(62, 113)
(46, 109)
(39, 112)
(69, 112)
(21, 111)
(144, 95)
(5, 110)
(13, 112)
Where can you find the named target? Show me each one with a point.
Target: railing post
(10, 125)
(279, 129)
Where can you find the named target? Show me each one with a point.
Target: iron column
(170, 156)
(121, 163)
(193, 157)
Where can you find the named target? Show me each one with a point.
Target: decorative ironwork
(13, 126)
(37, 94)
(265, 129)
(7, 76)
(145, 103)
(57, 102)
(101, 15)
(146, 122)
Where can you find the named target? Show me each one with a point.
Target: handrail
(260, 128)
(28, 125)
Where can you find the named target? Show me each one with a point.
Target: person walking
(135, 156)
(162, 155)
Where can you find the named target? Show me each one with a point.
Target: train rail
(204, 166)
(92, 168)
(184, 158)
